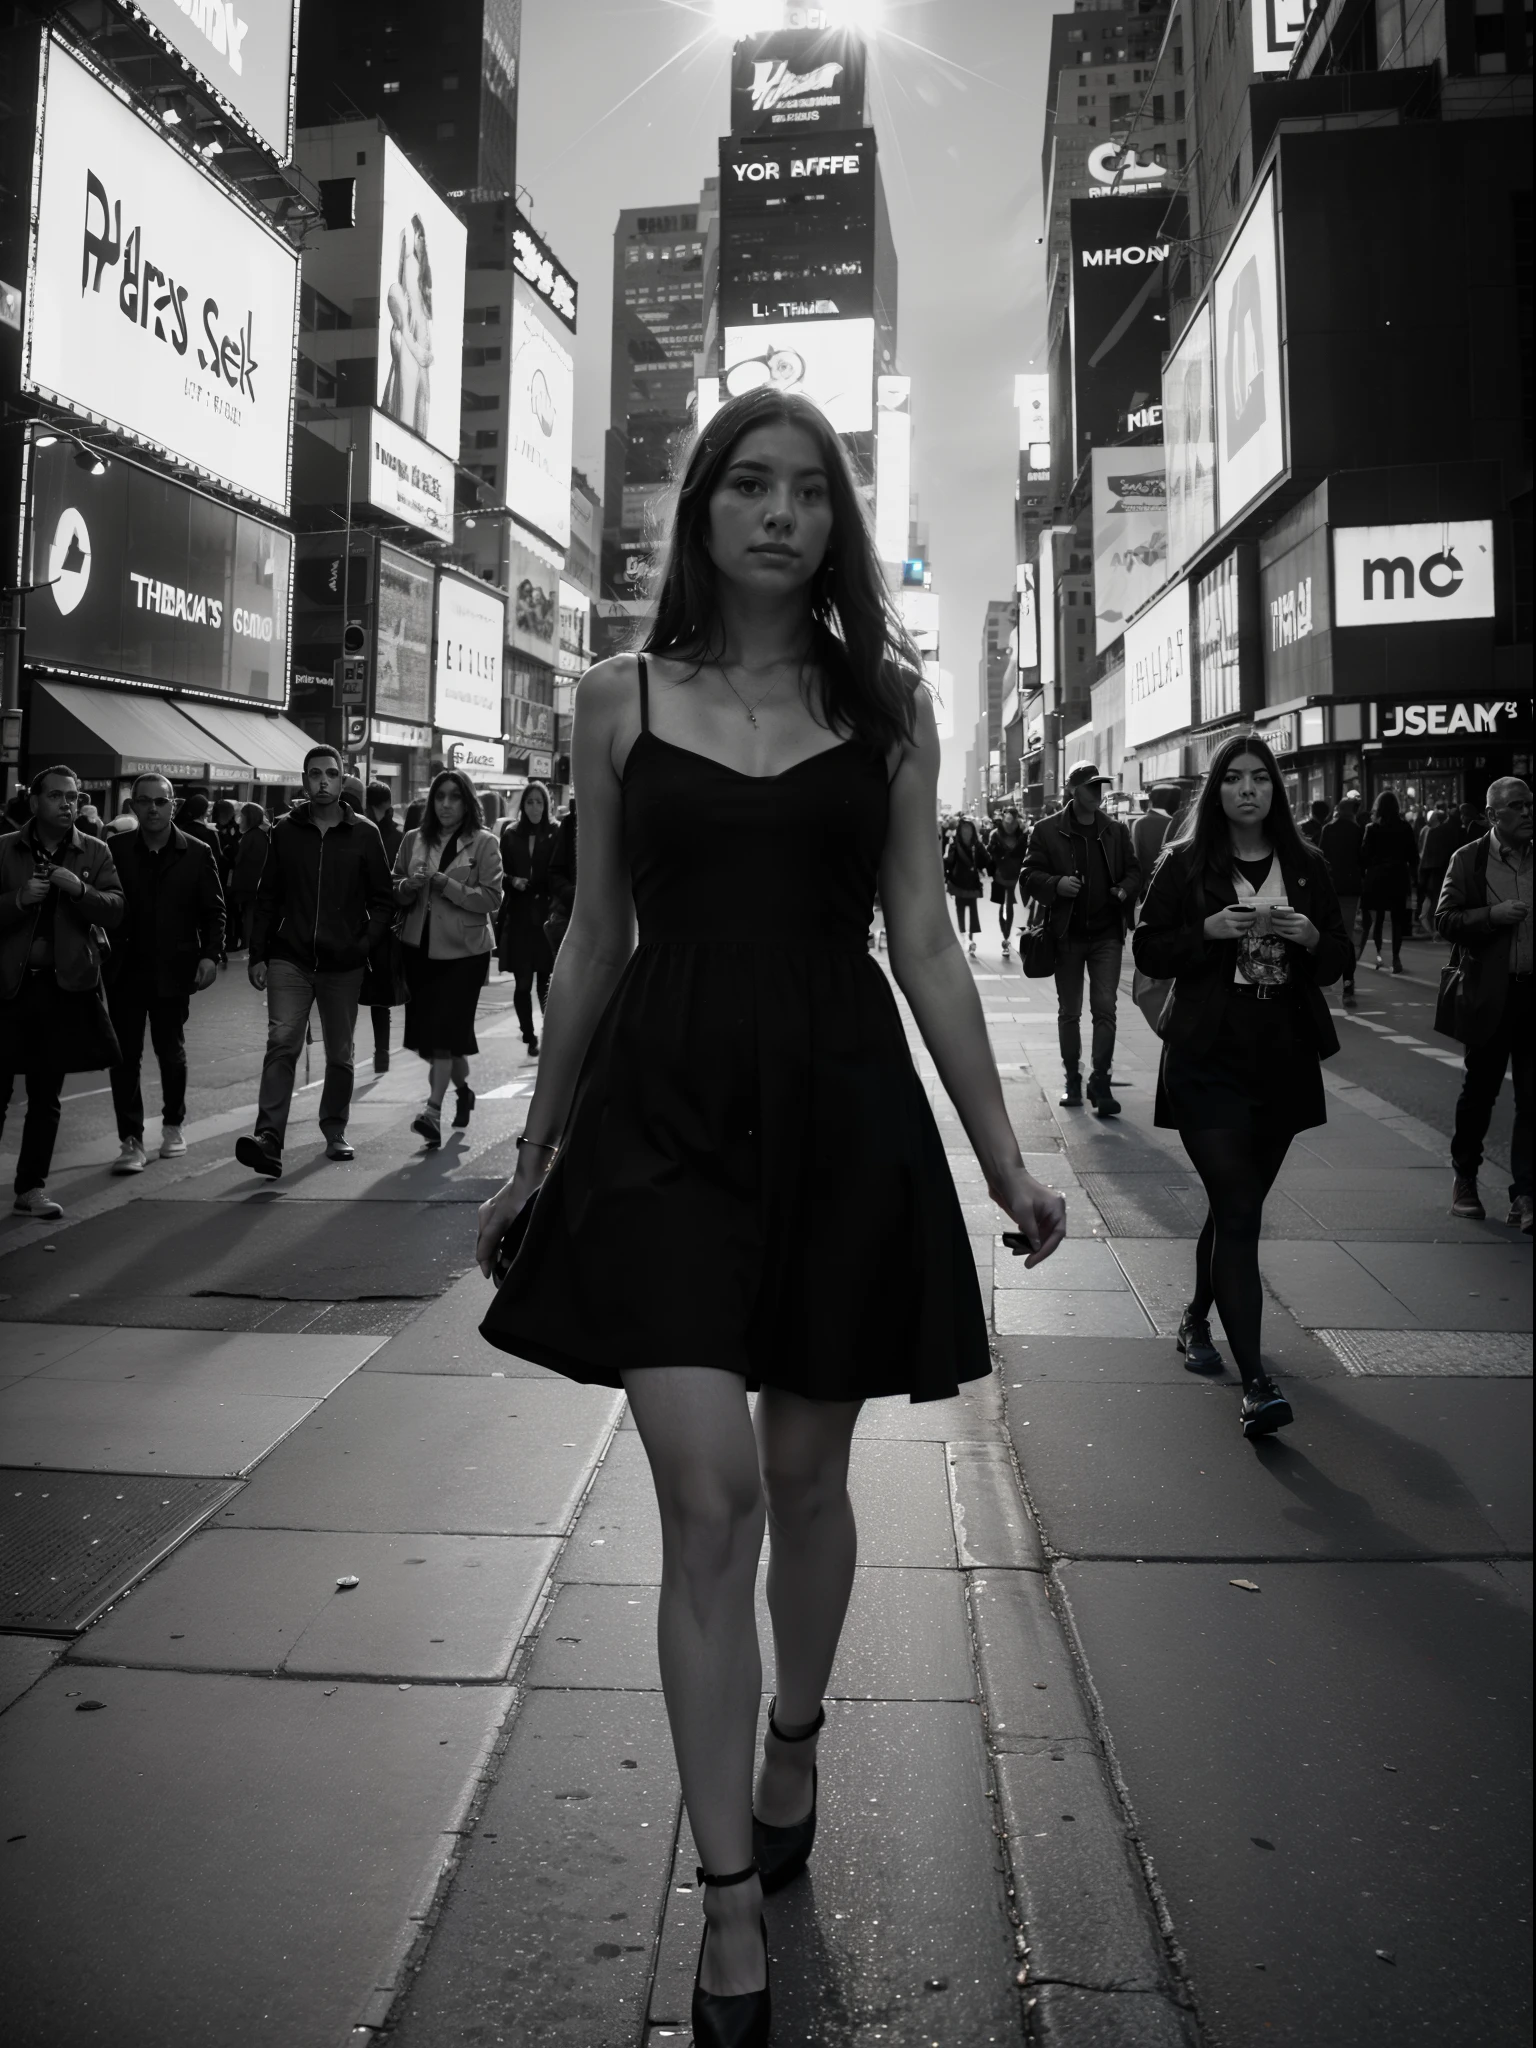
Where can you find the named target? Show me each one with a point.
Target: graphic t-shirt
(1261, 956)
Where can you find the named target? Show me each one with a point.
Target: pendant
(753, 716)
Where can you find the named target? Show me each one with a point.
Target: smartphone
(1018, 1243)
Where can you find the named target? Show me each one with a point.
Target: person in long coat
(383, 986)
(527, 842)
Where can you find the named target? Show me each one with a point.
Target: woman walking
(1389, 854)
(522, 949)
(245, 872)
(448, 878)
(1005, 857)
(964, 865)
(1242, 916)
(748, 1190)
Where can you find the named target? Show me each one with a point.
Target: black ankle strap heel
(782, 1853)
(736, 2020)
(702, 1876)
(805, 1734)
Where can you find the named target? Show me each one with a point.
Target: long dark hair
(429, 827)
(869, 665)
(1387, 810)
(522, 822)
(1206, 832)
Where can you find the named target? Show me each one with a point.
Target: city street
(1138, 1733)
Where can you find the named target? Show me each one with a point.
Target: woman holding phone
(739, 1182)
(1242, 915)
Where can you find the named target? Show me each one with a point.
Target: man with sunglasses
(172, 938)
(1485, 911)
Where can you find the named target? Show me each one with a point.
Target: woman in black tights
(1242, 915)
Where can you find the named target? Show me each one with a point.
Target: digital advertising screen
(1250, 374)
(402, 672)
(154, 583)
(1130, 536)
(244, 51)
(797, 78)
(797, 229)
(158, 303)
(1159, 670)
(1189, 440)
(830, 361)
(893, 466)
(537, 263)
(421, 306)
(541, 411)
(1119, 307)
(467, 657)
(535, 600)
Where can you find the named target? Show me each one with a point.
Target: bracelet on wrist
(538, 1144)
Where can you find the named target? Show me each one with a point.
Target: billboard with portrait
(149, 582)
(402, 686)
(830, 361)
(1250, 371)
(1130, 536)
(467, 657)
(799, 79)
(1025, 577)
(244, 51)
(1159, 670)
(1119, 306)
(535, 599)
(541, 411)
(158, 302)
(1189, 438)
(421, 305)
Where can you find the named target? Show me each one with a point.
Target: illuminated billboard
(797, 221)
(1250, 376)
(467, 657)
(1032, 402)
(245, 51)
(1024, 577)
(534, 260)
(404, 476)
(1412, 575)
(1119, 305)
(158, 302)
(893, 466)
(830, 361)
(535, 599)
(1159, 670)
(421, 305)
(402, 672)
(1045, 605)
(152, 583)
(1277, 27)
(540, 419)
(1130, 536)
(1189, 438)
(797, 78)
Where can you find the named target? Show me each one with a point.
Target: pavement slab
(1368, 1470)
(267, 1600)
(23, 1661)
(125, 1426)
(444, 1337)
(1070, 1314)
(993, 1527)
(1455, 1286)
(395, 1453)
(1031, 1689)
(1334, 1840)
(225, 1862)
(1080, 1263)
(193, 1362)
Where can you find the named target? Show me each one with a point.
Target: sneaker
(972, 949)
(38, 1204)
(1464, 1199)
(131, 1158)
(1194, 1340)
(1073, 1098)
(1100, 1101)
(336, 1147)
(172, 1143)
(463, 1103)
(1005, 949)
(260, 1154)
(428, 1124)
(1521, 1211)
(1265, 1409)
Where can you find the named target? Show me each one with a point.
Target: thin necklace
(750, 709)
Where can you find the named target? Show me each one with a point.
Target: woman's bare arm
(932, 974)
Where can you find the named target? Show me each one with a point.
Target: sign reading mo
(1409, 575)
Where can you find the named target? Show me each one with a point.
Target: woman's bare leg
(802, 1449)
(697, 1434)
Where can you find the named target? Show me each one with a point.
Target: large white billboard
(244, 49)
(1159, 670)
(1410, 575)
(1024, 577)
(893, 466)
(1032, 401)
(830, 361)
(1277, 27)
(467, 657)
(541, 412)
(1250, 376)
(1130, 536)
(421, 306)
(157, 302)
(403, 476)
(1189, 441)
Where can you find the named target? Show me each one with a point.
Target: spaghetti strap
(645, 695)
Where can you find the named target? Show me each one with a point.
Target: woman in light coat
(448, 882)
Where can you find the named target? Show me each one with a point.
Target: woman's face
(1010, 821)
(770, 514)
(449, 806)
(533, 806)
(1246, 790)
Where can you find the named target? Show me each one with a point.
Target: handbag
(1153, 996)
(1038, 945)
(1448, 1002)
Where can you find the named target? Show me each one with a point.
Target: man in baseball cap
(1082, 867)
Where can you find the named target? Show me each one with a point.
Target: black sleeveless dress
(750, 1176)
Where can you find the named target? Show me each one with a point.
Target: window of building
(1157, 109)
(477, 358)
(1182, 153)
(479, 401)
(482, 316)
(1237, 181)
(1178, 106)
(487, 437)
(391, 85)
(1488, 37)
(1082, 625)
(317, 313)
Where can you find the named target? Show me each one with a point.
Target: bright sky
(621, 103)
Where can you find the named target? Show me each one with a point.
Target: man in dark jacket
(1485, 911)
(379, 978)
(1339, 843)
(1150, 831)
(169, 949)
(323, 904)
(1082, 867)
(58, 891)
